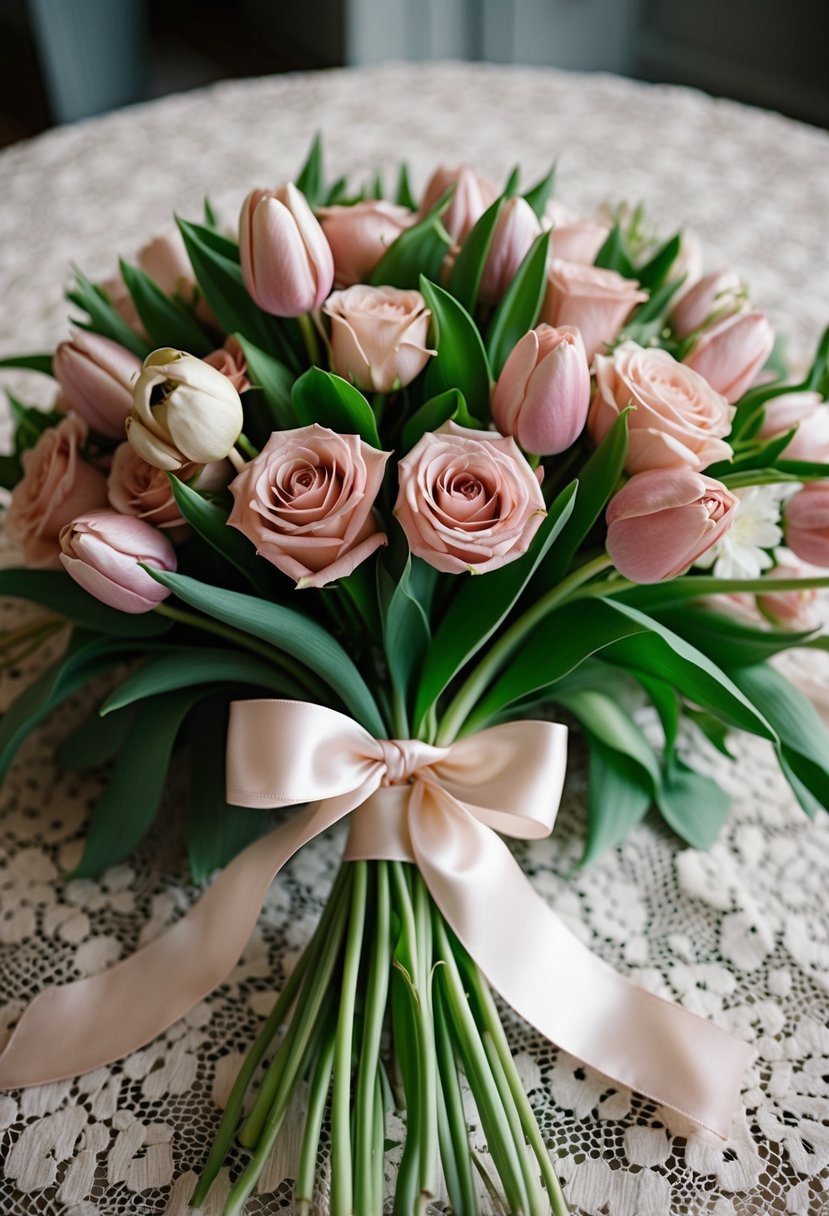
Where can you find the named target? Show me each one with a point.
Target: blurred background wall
(61, 60)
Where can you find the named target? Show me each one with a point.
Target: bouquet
(366, 499)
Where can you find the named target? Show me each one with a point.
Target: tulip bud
(713, 298)
(514, 233)
(575, 238)
(473, 194)
(96, 377)
(789, 609)
(810, 414)
(806, 520)
(184, 411)
(543, 393)
(101, 551)
(286, 260)
(662, 521)
(730, 354)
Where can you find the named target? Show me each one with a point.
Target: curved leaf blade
(518, 311)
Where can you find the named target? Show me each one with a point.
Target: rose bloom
(378, 336)
(307, 503)
(810, 414)
(359, 236)
(230, 361)
(468, 500)
(678, 418)
(575, 238)
(135, 487)
(595, 301)
(101, 550)
(663, 520)
(57, 485)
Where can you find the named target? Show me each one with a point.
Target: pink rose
(137, 488)
(468, 500)
(662, 521)
(359, 236)
(57, 485)
(96, 376)
(473, 194)
(810, 414)
(230, 361)
(717, 295)
(514, 233)
(165, 260)
(286, 260)
(596, 301)
(789, 609)
(807, 523)
(730, 353)
(678, 418)
(543, 393)
(306, 502)
(101, 550)
(575, 239)
(378, 336)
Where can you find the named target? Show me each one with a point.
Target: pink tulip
(596, 301)
(543, 393)
(473, 194)
(96, 377)
(717, 295)
(810, 414)
(359, 236)
(286, 260)
(575, 239)
(662, 521)
(515, 231)
(807, 523)
(730, 354)
(789, 609)
(101, 551)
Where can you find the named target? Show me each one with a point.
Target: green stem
(468, 695)
(378, 405)
(400, 714)
(514, 1122)
(427, 1056)
(342, 1185)
(466, 1200)
(247, 447)
(307, 1169)
(366, 1146)
(309, 337)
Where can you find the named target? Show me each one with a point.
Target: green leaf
(310, 179)
(666, 702)
(29, 423)
(166, 320)
(104, 318)
(692, 804)
(274, 379)
(432, 415)
(219, 276)
(619, 795)
(55, 590)
(518, 311)
(513, 181)
(614, 255)
(539, 195)
(403, 195)
(210, 521)
(419, 250)
(322, 397)
(129, 804)
(606, 720)
(290, 631)
(29, 363)
(715, 731)
(96, 742)
(648, 319)
(467, 271)
(480, 607)
(216, 832)
(407, 630)
(654, 273)
(11, 470)
(598, 480)
(653, 597)
(727, 641)
(211, 220)
(461, 361)
(337, 192)
(189, 666)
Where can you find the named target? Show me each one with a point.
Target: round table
(739, 934)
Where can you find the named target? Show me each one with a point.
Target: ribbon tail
(557, 984)
(74, 1028)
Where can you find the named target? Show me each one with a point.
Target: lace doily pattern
(739, 934)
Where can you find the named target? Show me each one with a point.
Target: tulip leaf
(403, 195)
(29, 423)
(166, 320)
(275, 381)
(125, 811)
(539, 195)
(29, 363)
(614, 255)
(96, 742)
(729, 642)
(434, 412)
(654, 597)
(11, 470)
(407, 630)
(479, 608)
(189, 666)
(598, 480)
(104, 318)
(649, 317)
(468, 269)
(518, 311)
(419, 250)
(55, 590)
(654, 273)
(219, 276)
(216, 832)
(619, 795)
(329, 400)
(288, 630)
(310, 179)
(461, 360)
(693, 805)
(210, 521)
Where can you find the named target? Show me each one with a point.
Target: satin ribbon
(445, 810)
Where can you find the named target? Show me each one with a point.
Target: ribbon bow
(445, 809)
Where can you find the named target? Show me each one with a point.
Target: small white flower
(742, 551)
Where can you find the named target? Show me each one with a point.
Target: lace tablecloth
(740, 934)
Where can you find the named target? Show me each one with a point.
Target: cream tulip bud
(286, 260)
(184, 411)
